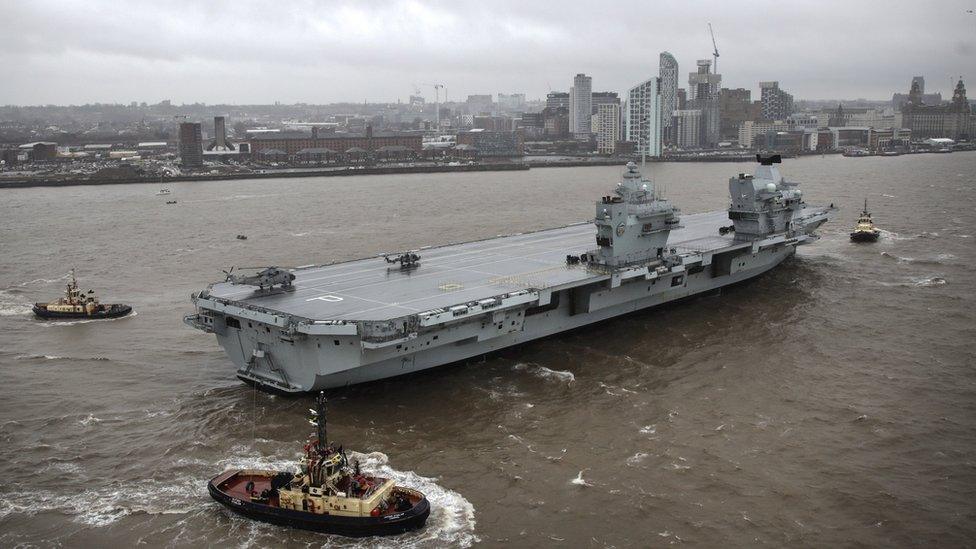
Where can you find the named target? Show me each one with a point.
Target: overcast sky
(239, 51)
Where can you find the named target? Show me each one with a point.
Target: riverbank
(522, 165)
(269, 174)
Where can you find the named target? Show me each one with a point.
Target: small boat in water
(171, 202)
(326, 494)
(242, 237)
(865, 231)
(78, 305)
(163, 192)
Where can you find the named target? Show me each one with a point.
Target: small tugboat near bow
(76, 305)
(326, 494)
(865, 231)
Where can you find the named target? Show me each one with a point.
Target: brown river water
(831, 402)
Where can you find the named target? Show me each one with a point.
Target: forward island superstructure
(364, 320)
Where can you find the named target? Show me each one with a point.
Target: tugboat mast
(320, 422)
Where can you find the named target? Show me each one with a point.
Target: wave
(919, 282)
(59, 357)
(452, 520)
(104, 505)
(892, 235)
(580, 481)
(11, 306)
(636, 459)
(926, 282)
(938, 260)
(545, 373)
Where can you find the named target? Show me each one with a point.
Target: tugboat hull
(864, 237)
(111, 311)
(220, 488)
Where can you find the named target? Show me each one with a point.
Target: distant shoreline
(373, 170)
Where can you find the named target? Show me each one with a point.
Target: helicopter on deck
(265, 279)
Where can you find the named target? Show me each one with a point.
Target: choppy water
(829, 403)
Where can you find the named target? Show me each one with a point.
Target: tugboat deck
(372, 289)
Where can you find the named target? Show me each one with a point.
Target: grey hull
(326, 365)
(335, 325)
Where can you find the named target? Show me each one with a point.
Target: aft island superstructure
(369, 319)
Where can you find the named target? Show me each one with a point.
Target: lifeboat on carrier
(326, 494)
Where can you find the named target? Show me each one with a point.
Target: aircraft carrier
(305, 329)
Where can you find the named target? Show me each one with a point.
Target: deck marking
(329, 298)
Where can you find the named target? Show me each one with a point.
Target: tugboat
(865, 231)
(75, 305)
(326, 494)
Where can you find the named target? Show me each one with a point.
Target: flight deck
(372, 289)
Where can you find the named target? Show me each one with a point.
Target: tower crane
(714, 47)
(437, 101)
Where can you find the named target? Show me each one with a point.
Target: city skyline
(243, 53)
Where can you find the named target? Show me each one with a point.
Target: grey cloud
(245, 51)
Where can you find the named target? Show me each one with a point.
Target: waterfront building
(581, 106)
(290, 143)
(495, 144)
(802, 121)
(608, 98)
(644, 124)
(555, 122)
(751, 129)
(668, 73)
(898, 100)
(775, 103)
(39, 151)
(687, 128)
(606, 126)
(191, 145)
(704, 90)
(735, 107)
(954, 120)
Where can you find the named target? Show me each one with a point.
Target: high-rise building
(608, 98)
(735, 106)
(668, 69)
(581, 106)
(688, 128)
(511, 102)
(604, 98)
(776, 103)
(606, 126)
(644, 125)
(480, 104)
(681, 101)
(704, 89)
(921, 83)
(191, 144)
(220, 142)
(556, 100)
